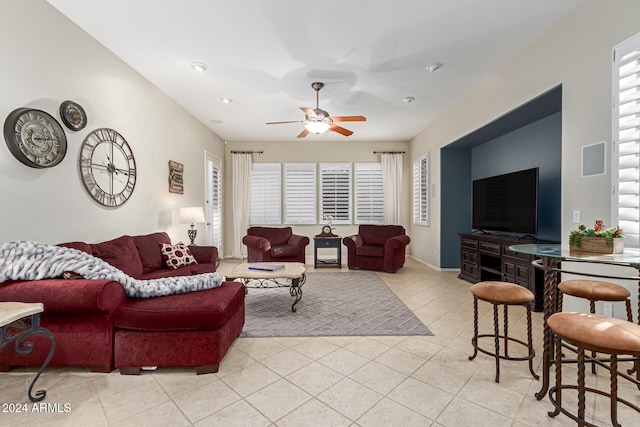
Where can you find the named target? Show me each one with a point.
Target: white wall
(575, 53)
(44, 60)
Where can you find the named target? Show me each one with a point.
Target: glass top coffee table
(259, 275)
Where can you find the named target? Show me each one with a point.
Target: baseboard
(425, 263)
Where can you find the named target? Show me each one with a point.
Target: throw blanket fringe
(25, 260)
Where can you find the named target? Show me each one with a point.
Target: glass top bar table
(550, 258)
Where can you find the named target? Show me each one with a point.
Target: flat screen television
(507, 203)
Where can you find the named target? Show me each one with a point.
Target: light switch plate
(576, 217)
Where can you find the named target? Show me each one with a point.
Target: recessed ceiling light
(433, 67)
(408, 99)
(226, 100)
(199, 66)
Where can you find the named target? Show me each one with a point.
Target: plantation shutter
(300, 193)
(421, 191)
(215, 204)
(369, 193)
(335, 191)
(266, 194)
(626, 140)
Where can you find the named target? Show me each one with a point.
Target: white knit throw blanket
(23, 260)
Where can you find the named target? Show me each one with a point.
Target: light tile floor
(331, 381)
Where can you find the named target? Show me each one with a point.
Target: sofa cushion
(368, 250)
(284, 250)
(120, 253)
(191, 311)
(201, 268)
(166, 272)
(81, 246)
(177, 255)
(275, 235)
(148, 246)
(186, 270)
(379, 234)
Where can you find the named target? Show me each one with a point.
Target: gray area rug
(332, 304)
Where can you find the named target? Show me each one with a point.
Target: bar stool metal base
(555, 392)
(581, 332)
(496, 353)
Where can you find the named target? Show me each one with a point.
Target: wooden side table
(327, 242)
(15, 328)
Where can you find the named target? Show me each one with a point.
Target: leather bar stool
(598, 333)
(505, 294)
(594, 290)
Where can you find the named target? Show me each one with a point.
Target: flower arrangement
(599, 230)
(328, 218)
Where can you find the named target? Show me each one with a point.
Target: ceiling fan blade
(309, 111)
(340, 130)
(304, 133)
(349, 118)
(278, 123)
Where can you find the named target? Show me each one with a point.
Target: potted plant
(597, 239)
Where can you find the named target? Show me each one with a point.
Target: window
(335, 191)
(421, 191)
(369, 193)
(300, 193)
(266, 194)
(626, 140)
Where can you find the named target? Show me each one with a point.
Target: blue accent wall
(535, 145)
(487, 152)
(456, 195)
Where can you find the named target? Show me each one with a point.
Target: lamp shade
(191, 215)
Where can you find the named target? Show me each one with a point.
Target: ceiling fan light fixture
(200, 67)
(317, 127)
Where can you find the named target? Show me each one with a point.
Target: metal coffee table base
(294, 285)
(24, 318)
(283, 275)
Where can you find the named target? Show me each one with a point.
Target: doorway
(213, 201)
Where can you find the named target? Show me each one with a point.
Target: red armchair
(377, 247)
(269, 244)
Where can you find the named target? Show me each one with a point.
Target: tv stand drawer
(469, 244)
(511, 254)
(490, 248)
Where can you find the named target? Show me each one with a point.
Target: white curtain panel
(241, 163)
(392, 185)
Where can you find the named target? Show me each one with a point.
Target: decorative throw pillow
(177, 255)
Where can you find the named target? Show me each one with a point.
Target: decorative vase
(599, 245)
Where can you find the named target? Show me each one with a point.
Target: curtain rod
(247, 152)
(388, 152)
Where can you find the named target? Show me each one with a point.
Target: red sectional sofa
(97, 326)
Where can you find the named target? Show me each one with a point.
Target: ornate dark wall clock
(108, 167)
(35, 138)
(73, 115)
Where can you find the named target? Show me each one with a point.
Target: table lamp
(192, 216)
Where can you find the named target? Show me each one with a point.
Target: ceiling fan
(319, 121)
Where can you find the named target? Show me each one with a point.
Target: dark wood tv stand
(486, 257)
